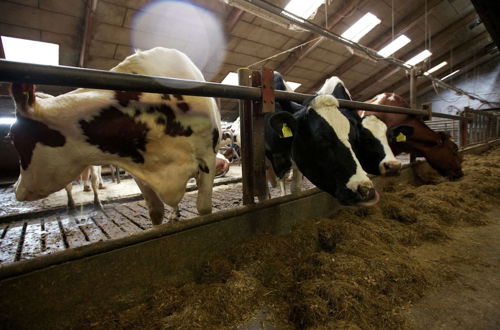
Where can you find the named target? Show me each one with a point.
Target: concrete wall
(483, 81)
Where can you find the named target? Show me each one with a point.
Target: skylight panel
(419, 57)
(435, 68)
(451, 74)
(303, 8)
(359, 29)
(394, 46)
(30, 51)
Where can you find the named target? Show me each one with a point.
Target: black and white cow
(163, 140)
(316, 137)
(368, 135)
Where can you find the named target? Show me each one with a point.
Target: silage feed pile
(351, 271)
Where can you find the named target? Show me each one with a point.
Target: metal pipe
(91, 78)
(246, 123)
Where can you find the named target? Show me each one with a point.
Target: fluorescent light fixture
(394, 46)
(303, 8)
(293, 85)
(7, 120)
(30, 51)
(230, 79)
(451, 74)
(435, 68)
(419, 57)
(364, 25)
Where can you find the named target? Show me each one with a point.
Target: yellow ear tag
(401, 137)
(287, 132)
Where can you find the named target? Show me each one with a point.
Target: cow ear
(283, 124)
(400, 133)
(24, 96)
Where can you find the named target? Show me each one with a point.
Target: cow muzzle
(392, 167)
(368, 195)
(25, 195)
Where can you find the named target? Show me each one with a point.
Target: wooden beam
(463, 47)
(90, 9)
(295, 56)
(439, 38)
(232, 19)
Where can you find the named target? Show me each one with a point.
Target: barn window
(30, 51)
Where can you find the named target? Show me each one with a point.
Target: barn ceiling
(101, 37)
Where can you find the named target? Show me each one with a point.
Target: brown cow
(437, 147)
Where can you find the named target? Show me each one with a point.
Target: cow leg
(282, 186)
(99, 176)
(86, 178)
(117, 170)
(205, 183)
(112, 170)
(94, 182)
(71, 201)
(296, 186)
(155, 204)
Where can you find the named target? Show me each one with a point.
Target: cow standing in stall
(163, 140)
(437, 147)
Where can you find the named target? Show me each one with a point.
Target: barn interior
(461, 40)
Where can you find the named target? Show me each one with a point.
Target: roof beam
(90, 9)
(438, 38)
(295, 56)
(232, 19)
(463, 47)
(405, 24)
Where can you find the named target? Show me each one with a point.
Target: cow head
(320, 147)
(43, 170)
(442, 154)
(369, 137)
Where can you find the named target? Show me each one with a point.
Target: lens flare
(185, 26)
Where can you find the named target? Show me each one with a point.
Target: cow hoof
(86, 188)
(174, 216)
(101, 186)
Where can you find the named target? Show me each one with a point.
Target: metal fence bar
(90, 78)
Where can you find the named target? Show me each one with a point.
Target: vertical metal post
(427, 107)
(413, 89)
(258, 143)
(413, 100)
(464, 124)
(245, 110)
